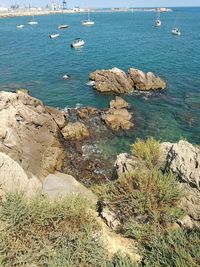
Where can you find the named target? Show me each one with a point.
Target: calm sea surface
(29, 59)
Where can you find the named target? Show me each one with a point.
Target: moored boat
(21, 26)
(176, 31)
(88, 22)
(77, 43)
(53, 36)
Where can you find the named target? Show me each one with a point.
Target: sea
(30, 59)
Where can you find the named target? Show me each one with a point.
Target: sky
(107, 3)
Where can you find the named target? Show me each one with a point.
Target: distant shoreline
(23, 13)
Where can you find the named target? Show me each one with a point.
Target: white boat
(88, 22)
(176, 31)
(33, 21)
(62, 27)
(53, 36)
(77, 43)
(20, 26)
(158, 21)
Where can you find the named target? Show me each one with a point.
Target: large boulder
(145, 81)
(183, 159)
(62, 185)
(75, 131)
(14, 179)
(29, 133)
(113, 80)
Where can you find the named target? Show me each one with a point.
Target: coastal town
(54, 7)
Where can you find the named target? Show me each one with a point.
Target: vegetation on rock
(51, 234)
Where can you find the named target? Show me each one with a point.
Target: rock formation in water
(114, 80)
(117, 81)
(117, 117)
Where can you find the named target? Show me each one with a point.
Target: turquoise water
(29, 59)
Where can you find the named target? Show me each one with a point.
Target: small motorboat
(90, 83)
(62, 27)
(158, 23)
(176, 31)
(20, 26)
(66, 77)
(77, 43)
(53, 36)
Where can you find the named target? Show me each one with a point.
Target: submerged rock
(145, 81)
(117, 81)
(183, 159)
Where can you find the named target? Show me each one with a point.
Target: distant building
(3, 9)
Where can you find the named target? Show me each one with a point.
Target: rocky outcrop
(14, 179)
(113, 80)
(75, 131)
(117, 117)
(117, 81)
(145, 81)
(183, 159)
(29, 133)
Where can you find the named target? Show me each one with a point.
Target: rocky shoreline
(47, 151)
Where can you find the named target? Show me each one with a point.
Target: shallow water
(29, 59)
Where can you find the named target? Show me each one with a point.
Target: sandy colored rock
(183, 159)
(75, 131)
(29, 134)
(118, 103)
(60, 117)
(145, 81)
(14, 179)
(113, 80)
(85, 113)
(117, 119)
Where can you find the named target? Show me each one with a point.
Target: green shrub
(177, 248)
(147, 197)
(148, 152)
(47, 233)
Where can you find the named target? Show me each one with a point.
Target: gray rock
(124, 164)
(183, 159)
(63, 185)
(14, 179)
